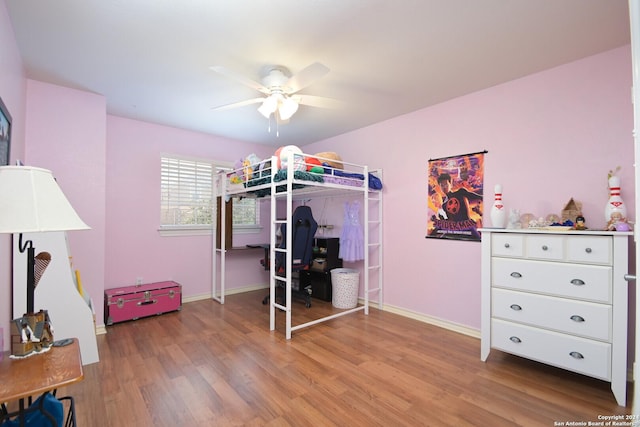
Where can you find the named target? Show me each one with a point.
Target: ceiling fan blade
(238, 104)
(317, 101)
(240, 78)
(306, 77)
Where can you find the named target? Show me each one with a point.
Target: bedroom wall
(134, 246)
(550, 136)
(13, 94)
(66, 133)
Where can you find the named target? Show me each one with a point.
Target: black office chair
(304, 229)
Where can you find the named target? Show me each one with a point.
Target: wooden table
(39, 373)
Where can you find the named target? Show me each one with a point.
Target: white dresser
(559, 298)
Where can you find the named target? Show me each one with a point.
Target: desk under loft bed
(293, 184)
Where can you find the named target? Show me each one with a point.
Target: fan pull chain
(277, 126)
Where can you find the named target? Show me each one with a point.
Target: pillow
(283, 153)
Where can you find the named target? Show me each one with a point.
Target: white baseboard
(455, 327)
(228, 292)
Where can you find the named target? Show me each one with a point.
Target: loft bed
(296, 177)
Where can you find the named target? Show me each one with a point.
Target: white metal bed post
(214, 235)
(376, 246)
(218, 182)
(287, 251)
(366, 239)
(223, 237)
(289, 248)
(272, 247)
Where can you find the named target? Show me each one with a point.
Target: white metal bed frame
(312, 189)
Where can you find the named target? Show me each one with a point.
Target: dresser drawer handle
(506, 245)
(515, 307)
(516, 275)
(577, 282)
(515, 340)
(576, 355)
(577, 318)
(588, 250)
(545, 247)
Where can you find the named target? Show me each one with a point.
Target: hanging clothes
(352, 237)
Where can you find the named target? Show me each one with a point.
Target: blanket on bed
(374, 181)
(281, 175)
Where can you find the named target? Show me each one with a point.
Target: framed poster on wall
(455, 189)
(5, 134)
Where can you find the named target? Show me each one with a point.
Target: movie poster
(455, 197)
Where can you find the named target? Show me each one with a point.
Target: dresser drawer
(586, 282)
(510, 245)
(545, 246)
(587, 319)
(589, 249)
(565, 351)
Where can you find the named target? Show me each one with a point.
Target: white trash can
(345, 283)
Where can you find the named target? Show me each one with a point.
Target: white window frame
(198, 229)
(247, 228)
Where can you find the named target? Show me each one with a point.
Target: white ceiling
(151, 58)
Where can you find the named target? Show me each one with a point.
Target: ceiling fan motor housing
(276, 80)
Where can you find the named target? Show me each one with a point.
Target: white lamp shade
(32, 201)
(269, 106)
(288, 108)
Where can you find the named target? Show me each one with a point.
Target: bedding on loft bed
(281, 175)
(259, 175)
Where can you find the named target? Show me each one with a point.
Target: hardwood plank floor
(219, 365)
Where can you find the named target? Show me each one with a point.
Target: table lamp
(31, 201)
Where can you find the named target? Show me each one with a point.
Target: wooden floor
(213, 364)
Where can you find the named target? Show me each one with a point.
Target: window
(246, 214)
(186, 204)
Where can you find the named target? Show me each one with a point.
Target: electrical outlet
(138, 280)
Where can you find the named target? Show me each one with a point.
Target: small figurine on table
(580, 223)
(618, 223)
(26, 333)
(514, 219)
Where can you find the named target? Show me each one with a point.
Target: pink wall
(13, 94)
(66, 131)
(134, 246)
(550, 136)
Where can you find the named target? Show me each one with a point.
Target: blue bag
(34, 416)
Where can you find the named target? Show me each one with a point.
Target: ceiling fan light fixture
(269, 106)
(288, 108)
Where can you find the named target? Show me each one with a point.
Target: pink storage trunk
(134, 302)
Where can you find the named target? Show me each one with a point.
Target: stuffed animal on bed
(330, 159)
(313, 165)
(244, 169)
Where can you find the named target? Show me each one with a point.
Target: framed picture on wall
(5, 134)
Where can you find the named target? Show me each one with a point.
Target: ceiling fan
(281, 90)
